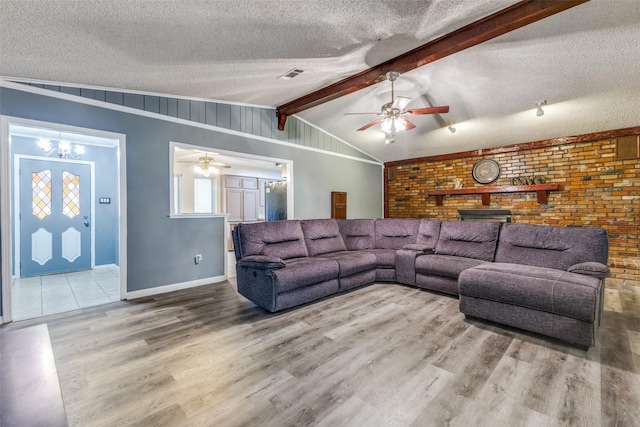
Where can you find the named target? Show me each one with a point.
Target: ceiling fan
(392, 115)
(206, 166)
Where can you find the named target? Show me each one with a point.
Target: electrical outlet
(197, 259)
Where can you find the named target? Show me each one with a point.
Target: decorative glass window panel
(41, 193)
(70, 194)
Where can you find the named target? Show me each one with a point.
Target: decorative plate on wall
(486, 171)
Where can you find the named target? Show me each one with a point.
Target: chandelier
(63, 149)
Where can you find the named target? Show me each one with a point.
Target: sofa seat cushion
(539, 288)
(385, 258)
(351, 263)
(444, 265)
(301, 272)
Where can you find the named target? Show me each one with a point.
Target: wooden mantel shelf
(540, 189)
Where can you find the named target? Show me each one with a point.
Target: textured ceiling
(583, 61)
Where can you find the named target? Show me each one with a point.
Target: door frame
(16, 204)
(7, 200)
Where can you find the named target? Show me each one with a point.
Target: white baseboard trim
(173, 287)
(97, 267)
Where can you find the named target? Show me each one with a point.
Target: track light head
(539, 110)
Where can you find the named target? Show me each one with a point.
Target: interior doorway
(64, 245)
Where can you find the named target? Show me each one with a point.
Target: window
(204, 195)
(193, 190)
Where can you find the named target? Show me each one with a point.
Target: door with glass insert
(55, 216)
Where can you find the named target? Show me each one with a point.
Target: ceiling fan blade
(400, 102)
(410, 124)
(368, 125)
(220, 165)
(430, 110)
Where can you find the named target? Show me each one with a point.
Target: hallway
(44, 295)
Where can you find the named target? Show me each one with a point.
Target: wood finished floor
(383, 355)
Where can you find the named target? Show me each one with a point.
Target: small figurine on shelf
(457, 183)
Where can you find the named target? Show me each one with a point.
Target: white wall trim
(157, 116)
(174, 287)
(5, 216)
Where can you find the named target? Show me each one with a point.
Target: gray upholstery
(358, 233)
(428, 233)
(322, 236)
(395, 233)
(543, 279)
(468, 239)
(565, 328)
(283, 239)
(301, 272)
(553, 247)
(352, 262)
(444, 265)
(538, 288)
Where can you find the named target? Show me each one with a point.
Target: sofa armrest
(593, 269)
(420, 248)
(263, 262)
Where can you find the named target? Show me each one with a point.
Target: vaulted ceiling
(583, 61)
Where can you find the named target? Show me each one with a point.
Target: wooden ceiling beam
(504, 21)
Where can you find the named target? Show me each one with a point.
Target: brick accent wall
(595, 190)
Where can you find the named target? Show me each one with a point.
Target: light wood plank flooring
(383, 355)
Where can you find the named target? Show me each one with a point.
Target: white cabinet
(250, 203)
(241, 200)
(234, 202)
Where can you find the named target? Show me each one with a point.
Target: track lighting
(451, 128)
(539, 110)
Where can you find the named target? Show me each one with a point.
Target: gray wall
(160, 250)
(253, 120)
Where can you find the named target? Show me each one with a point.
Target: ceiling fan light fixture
(204, 168)
(539, 110)
(393, 125)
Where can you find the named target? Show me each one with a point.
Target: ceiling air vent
(291, 74)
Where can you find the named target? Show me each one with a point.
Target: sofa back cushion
(552, 247)
(283, 239)
(395, 233)
(358, 233)
(322, 236)
(428, 232)
(469, 239)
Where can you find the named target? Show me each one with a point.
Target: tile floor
(57, 293)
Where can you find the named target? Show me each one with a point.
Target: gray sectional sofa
(544, 279)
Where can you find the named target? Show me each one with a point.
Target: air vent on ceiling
(291, 74)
